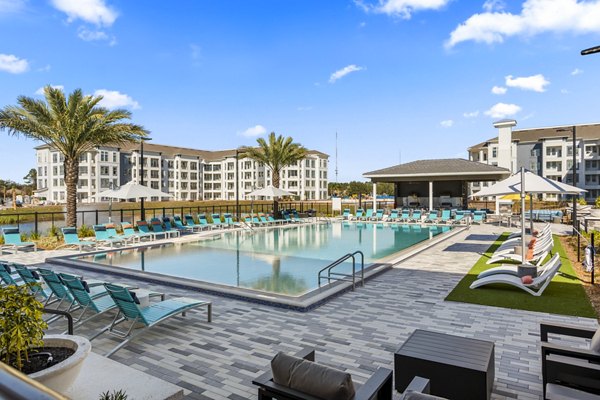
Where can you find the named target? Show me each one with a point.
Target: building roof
(172, 151)
(436, 170)
(584, 131)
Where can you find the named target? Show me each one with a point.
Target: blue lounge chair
(379, 215)
(478, 217)
(416, 216)
(432, 217)
(274, 221)
(111, 229)
(393, 216)
(296, 217)
(405, 217)
(216, 221)
(445, 216)
(346, 213)
(149, 316)
(189, 221)
(12, 240)
(369, 215)
(32, 278)
(178, 224)
(6, 276)
(104, 238)
(130, 233)
(360, 213)
(60, 292)
(229, 221)
(144, 227)
(71, 239)
(157, 228)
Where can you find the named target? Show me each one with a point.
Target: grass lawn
(564, 295)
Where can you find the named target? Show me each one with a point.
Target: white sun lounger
(512, 256)
(512, 269)
(536, 288)
(542, 232)
(509, 247)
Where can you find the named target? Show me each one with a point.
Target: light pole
(591, 50)
(142, 140)
(573, 129)
(237, 184)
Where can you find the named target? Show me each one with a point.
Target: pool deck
(356, 331)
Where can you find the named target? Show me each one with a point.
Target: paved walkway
(357, 331)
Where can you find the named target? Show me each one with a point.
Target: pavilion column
(430, 195)
(374, 197)
(497, 205)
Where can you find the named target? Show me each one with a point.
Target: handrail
(345, 277)
(65, 314)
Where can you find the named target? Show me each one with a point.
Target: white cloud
(577, 71)
(11, 6)
(40, 91)
(13, 64)
(499, 90)
(447, 123)
(494, 5)
(537, 16)
(401, 8)
(536, 83)
(472, 114)
(502, 110)
(362, 24)
(254, 131)
(93, 35)
(93, 11)
(564, 91)
(45, 68)
(340, 73)
(115, 99)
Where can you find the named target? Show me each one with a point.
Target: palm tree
(276, 154)
(72, 126)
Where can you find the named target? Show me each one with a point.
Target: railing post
(96, 217)
(121, 212)
(593, 256)
(35, 227)
(164, 213)
(182, 212)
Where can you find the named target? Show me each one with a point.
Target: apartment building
(187, 174)
(547, 152)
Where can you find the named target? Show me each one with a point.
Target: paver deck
(357, 331)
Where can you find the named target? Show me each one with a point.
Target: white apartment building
(187, 174)
(545, 151)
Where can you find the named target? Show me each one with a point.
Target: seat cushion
(312, 378)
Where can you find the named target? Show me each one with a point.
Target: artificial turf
(564, 295)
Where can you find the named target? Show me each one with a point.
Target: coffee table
(457, 367)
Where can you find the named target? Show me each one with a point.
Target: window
(292, 173)
(154, 174)
(83, 170)
(154, 185)
(193, 165)
(104, 156)
(170, 164)
(55, 157)
(194, 176)
(104, 170)
(184, 165)
(591, 149)
(83, 157)
(114, 154)
(494, 152)
(554, 165)
(154, 162)
(554, 151)
(115, 170)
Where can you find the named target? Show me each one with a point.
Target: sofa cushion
(312, 378)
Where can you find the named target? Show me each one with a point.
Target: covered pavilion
(439, 183)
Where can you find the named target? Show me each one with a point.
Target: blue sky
(397, 79)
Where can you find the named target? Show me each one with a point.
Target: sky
(397, 80)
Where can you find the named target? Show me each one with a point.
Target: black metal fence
(38, 222)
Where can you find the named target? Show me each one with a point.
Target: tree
(276, 154)
(72, 126)
(31, 180)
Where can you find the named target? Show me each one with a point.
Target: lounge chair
(288, 218)
(104, 238)
(71, 239)
(405, 217)
(216, 221)
(230, 222)
(264, 220)
(12, 240)
(459, 217)
(478, 217)
(378, 215)
(111, 229)
(536, 286)
(299, 377)
(416, 216)
(257, 222)
(60, 292)
(445, 218)
(149, 316)
(393, 217)
(177, 224)
(275, 221)
(532, 256)
(513, 269)
(296, 217)
(144, 229)
(545, 230)
(157, 228)
(202, 222)
(508, 246)
(432, 217)
(346, 214)
(32, 278)
(570, 372)
(360, 214)
(131, 234)
(6, 276)
(97, 305)
(370, 216)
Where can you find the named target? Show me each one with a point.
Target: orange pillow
(529, 254)
(532, 243)
(527, 280)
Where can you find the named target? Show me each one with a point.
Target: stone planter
(62, 375)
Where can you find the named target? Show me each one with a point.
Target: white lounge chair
(547, 228)
(509, 247)
(535, 288)
(512, 269)
(538, 251)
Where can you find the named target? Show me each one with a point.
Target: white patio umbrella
(130, 190)
(523, 183)
(269, 191)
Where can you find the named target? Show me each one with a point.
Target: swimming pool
(282, 260)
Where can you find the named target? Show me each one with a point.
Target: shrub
(23, 237)
(34, 236)
(21, 325)
(85, 231)
(582, 201)
(597, 202)
(53, 231)
(120, 395)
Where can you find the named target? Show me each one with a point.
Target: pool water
(284, 260)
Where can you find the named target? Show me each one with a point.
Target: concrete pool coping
(302, 303)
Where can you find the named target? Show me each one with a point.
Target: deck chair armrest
(418, 385)
(561, 350)
(378, 386)
(564, 329)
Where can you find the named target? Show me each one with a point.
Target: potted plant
(53, 360)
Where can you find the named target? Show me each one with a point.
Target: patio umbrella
(269, 191)
(526, 182)
(130, 190)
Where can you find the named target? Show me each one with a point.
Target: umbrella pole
(523, 246)
(530, 214)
